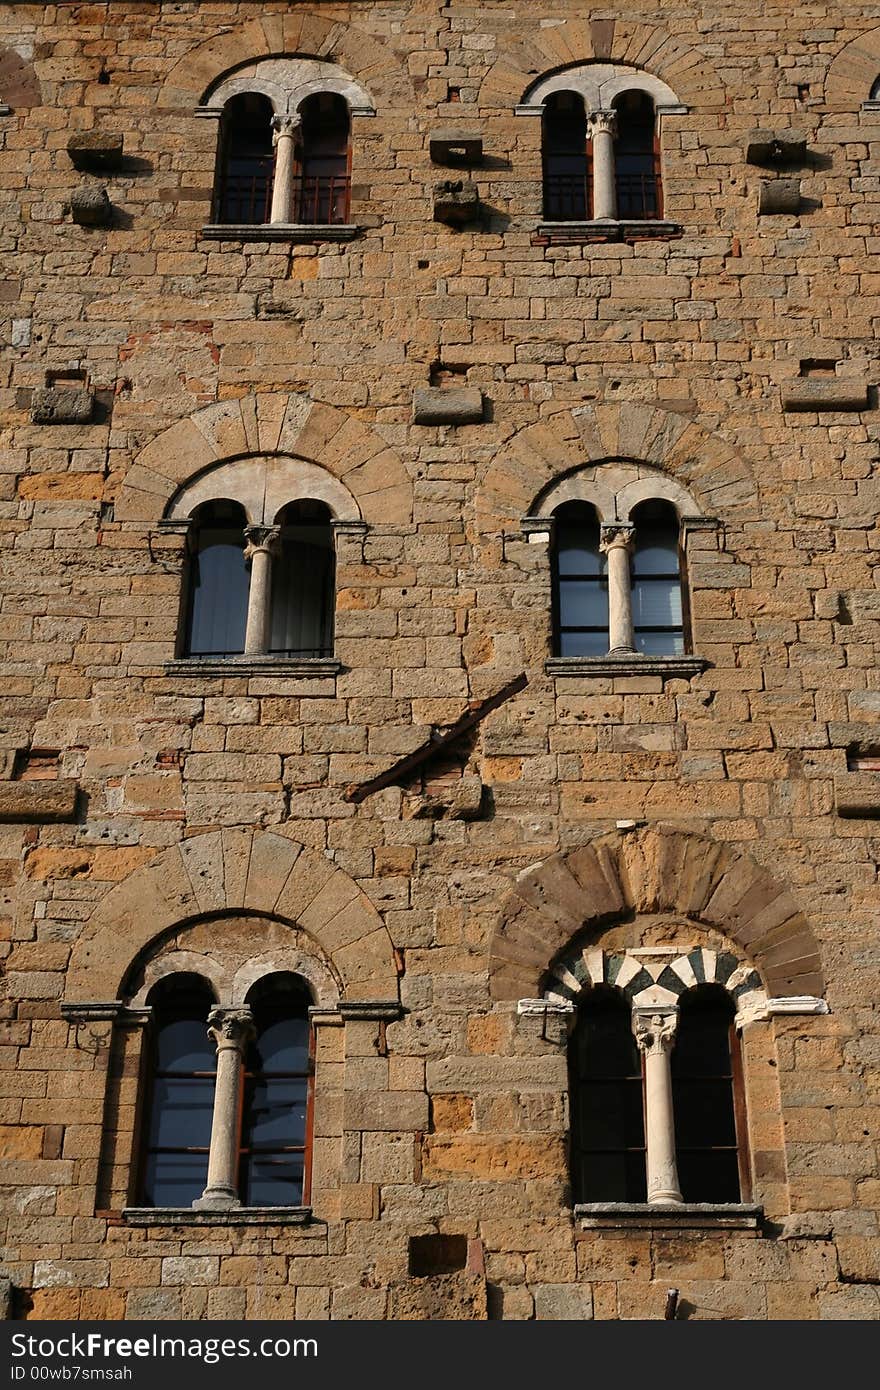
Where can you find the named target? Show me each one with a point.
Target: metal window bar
(321, 199)
(638, 196)
(568, 197)
(275, 1152)
(246, 196)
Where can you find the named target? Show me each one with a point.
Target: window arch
(655, 577)
(276, 1115)
(303, 582)
(218, 583)
(180, 1098)
(637, 182)
(706, 1092)
(322, 183)
(568, 191)
(607, 1120)
(580, 582)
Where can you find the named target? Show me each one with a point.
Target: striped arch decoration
(654, 977)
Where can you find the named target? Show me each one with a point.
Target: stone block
(62, 405)
(455, 147)
(563, 1302)
(819, 395)
(857, 794)
(448, 1297)
(95, 149)
(456, 202)
(38, 802)
(436, 405)
(775, 147)
(90, 206)
(779, 196)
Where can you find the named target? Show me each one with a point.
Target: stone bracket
(95, 149)
(857, 794)
(368, 1010)
(818, 395)
(455, 147)
(441, 405)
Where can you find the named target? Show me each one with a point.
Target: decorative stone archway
(533, 51)
(268, 424)
(227, 872)
(366, 58)
(574, 896)
(853, 72)
(543, 453)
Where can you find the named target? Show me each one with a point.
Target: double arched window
(227, 1119)
(611, 1109)
(618, 586)
(258, 589)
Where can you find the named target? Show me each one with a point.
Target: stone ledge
(740, 1216)
(857, 794)
(681, 667)
(253, 666)
(365, 1010)
(825, 395)
(438, 405)
(235, 1216)
(38, 802)
(297, 232)
(624, 229)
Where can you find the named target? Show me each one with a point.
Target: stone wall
(448, 1115)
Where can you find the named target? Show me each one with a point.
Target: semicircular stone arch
(229, 872)
(274, 36)
(647, 982)
(269, 423)
(660, 869)
(534, 52)
(854, 71)
(538, 455)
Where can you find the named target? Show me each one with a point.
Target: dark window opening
(277, 1096)
(219, 582)
(566, 153)
(323, 185)
(637, 158)
(875, 90)
(181, 1095)
(658, 618)
(303, 583)
(704, 1083)
(607, 1116)
(580, 583)
(244, 186)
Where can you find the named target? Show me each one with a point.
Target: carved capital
(230, 1028)
(602, 123)
(616, 535)
(654, 1030)
(260, 537)
(286, 127)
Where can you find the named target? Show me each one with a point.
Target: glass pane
(283, 1045)
(660, 643)
(605, 1044)
(180, 1115)
(583, 603)
(275, 1113)
(219, 581)
(274, 1180)
(611, 1178)
(183, 1044)
(583, 643)
(611, 1115)
(657, 555)
(709, 1177)
(578, 553)
(704, 1114)
(702, 1046)
(174, 1180)
(303, 586)
(656, 603)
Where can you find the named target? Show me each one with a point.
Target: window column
(231, 1030)
(286, 130)
(602, 128)
(654, 1031)
(261, 543)
(616, 543)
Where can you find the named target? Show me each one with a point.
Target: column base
(665, 1199)
(216, 1199)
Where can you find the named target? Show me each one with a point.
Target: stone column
(602, 128)
(232, 1030)
(261, 542)
(285, 139)
(616, 543)
(654, 1031)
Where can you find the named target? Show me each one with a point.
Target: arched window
(567, 183)
(875, 90)
(303, 582)
(580, 583)
(637, 158)
(710, 1152)
(658, 622)
(607, 1121)
(218, 582)
(244, 182)
(180, 1099)
(277, 1096)
(323, 183)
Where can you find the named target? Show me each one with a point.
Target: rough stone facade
(147, 806)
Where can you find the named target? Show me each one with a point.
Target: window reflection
(180, 1105)
(581, 583)
(219, 582)
(278, 1079)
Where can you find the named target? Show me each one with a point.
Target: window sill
(281, 231)
(621, 229)
(611, 1216)
(235, 1216)
(253, 666)
(671, 667)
